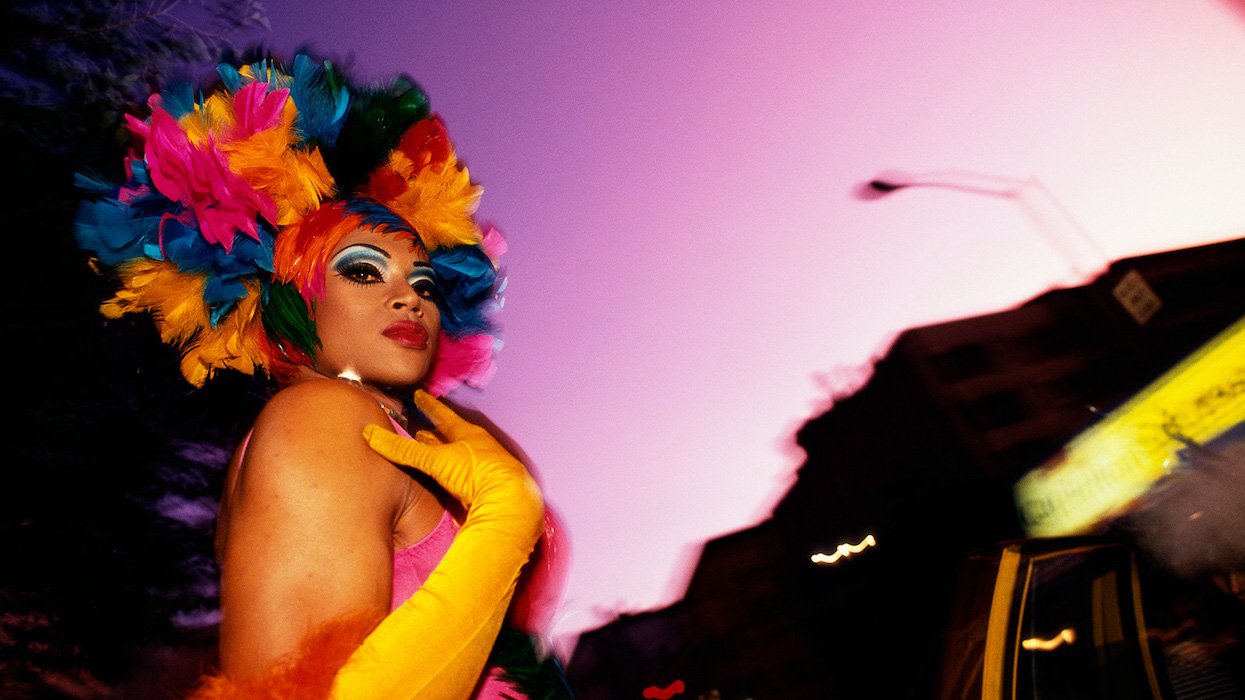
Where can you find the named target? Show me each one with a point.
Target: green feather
(538, 679)
(377, 120)
(285, 317)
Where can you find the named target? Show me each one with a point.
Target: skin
(311, 516)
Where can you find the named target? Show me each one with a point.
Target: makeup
(361, 263)
(407, 334)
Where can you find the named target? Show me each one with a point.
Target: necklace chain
(396, 415)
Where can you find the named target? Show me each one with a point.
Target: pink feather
(493, 244)
(467, 360)
(256, 109)
(200, 178)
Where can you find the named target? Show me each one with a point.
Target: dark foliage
(71, 68)
(116, 465)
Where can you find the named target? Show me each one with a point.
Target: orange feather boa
(308, 673)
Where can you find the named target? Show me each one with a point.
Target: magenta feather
(256, 109)
(199, 177)
(466, 360)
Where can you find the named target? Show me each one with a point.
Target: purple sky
(691, 274)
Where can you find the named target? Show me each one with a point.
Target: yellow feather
(175, 301)
(439, 204)
(235, 344)
(401, 164)
(297, 181)
(214, 117)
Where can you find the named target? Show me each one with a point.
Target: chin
(390, 373)
(389, 380)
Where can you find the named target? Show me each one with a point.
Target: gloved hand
(435, 644)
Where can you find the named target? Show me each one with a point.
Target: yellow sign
(1110, 464)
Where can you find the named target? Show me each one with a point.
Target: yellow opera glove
(436, 643)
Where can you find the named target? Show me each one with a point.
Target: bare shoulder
(309, 525)
(316, 416)
(314, 429)
(325, 400)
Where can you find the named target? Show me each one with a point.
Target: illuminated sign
(1110, 464)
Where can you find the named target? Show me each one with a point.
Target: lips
(407, 334)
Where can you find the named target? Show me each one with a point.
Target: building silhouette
(922, 457)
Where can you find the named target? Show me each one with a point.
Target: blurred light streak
(845, 550)
(1066, 635)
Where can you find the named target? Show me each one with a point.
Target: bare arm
(310, 525)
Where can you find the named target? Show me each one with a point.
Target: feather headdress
(234, 199)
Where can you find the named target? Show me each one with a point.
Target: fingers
(396, 448)
(452, 465)
(443, 417)
(428, 438)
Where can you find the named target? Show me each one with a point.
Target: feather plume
(467, 360)
(256, 109)
(439, 204)
(287, 320)
(236, 199)
(466, 280)
(174, 299)
(322, 101)
(493, 243)
(121, 228)
(376, 122)
(236, 343)
(211, 118)
(178, 100)
(424, 145)
(230, 77)
(200, 179)
(296, 181)
(264, 71)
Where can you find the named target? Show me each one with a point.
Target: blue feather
(225, 272)
(178, 100)
(117, 232)
(94, 185)
(467, 284)
(230, 77)
(321, 106)
(373, 214)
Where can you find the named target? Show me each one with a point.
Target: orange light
(1066, 636)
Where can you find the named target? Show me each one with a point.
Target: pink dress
(411, 567)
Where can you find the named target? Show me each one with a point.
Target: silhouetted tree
(71, 67)
(114, 466)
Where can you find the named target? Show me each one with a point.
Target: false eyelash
(360, 272)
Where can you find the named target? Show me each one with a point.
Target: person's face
(378, 319)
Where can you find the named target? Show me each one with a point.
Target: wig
(235, 198)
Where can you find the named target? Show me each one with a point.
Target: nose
(405, 297)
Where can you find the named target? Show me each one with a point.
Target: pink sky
(690, 272)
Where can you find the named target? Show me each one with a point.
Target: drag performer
(290, 223)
